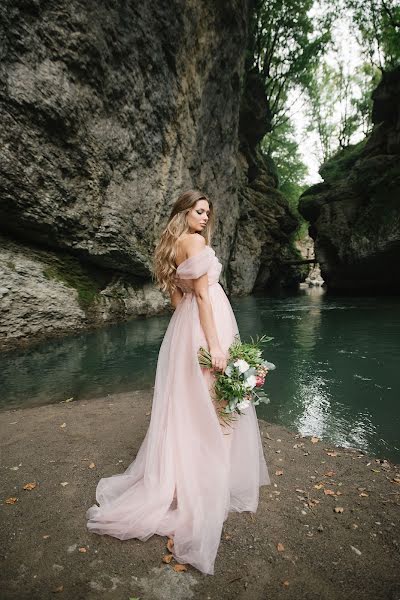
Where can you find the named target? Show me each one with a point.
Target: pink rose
(260, 381)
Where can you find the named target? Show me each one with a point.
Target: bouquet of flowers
(241, 382)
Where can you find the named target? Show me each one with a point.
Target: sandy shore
(327, 527)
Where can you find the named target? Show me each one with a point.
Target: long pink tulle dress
(190, 470)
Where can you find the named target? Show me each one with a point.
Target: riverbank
(327, 527)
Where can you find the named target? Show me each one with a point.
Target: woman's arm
(176, 296)
(200, 289)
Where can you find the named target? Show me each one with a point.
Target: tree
(377, 24)
(287, 44)
(282, 147)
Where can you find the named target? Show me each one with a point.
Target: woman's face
(198, 216)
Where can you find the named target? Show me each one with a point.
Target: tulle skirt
(190, 471)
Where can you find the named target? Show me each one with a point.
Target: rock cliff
(108, 111)
(355, 212)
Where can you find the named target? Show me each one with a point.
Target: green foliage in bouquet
(239, 385)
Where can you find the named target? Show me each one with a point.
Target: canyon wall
(108, 111)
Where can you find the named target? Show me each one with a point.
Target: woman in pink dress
(190, 470)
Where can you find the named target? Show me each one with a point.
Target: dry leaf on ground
(92, 465)
(11, 500)
(314, 440)
(30, 486)
(83, 549)
(279, 472)
(178, 568)
(329, 493)
(167, 558)
(63, 425)
(170, 544)
(280, 547)
(332, 454)
(338, 509)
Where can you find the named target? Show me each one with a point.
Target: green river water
(337, 359)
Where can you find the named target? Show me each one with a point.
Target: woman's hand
(218, 359)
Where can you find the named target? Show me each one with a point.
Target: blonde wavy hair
(164, 267)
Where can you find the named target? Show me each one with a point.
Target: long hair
(164, 267)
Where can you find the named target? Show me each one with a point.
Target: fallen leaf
(64, 483)
(363, 495)
(178, 568)
(395, 480)
(228, 537)
(92, 465)
(376, 470)
(285, 583)
(329, 492)
(148, 414)
(60, 588)
(330, 473)
(11, 500)
(280, 547)
(338, 509)
(170, 544)
(314, 440)
(356, 550)
(167, 558)
(69, 399)
(318, 486)
(279, 472)
(332, 453)
(63, 425)
(82, 549)
(312, 503)
(300, 491)
(45, 537)
(30, 486)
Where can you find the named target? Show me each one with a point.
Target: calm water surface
(337, 360)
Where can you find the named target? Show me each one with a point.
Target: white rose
(250, 382)
(242, 365)
(243, 404)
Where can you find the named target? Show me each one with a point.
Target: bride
(190, 470)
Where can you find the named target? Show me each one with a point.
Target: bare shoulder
(192, 244)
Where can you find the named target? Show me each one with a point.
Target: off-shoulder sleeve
(197, 265)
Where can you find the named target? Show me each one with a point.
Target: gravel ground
(326, 528)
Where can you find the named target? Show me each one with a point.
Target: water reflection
(117, 358)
